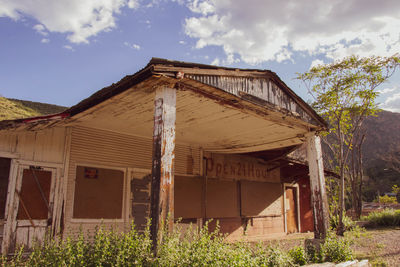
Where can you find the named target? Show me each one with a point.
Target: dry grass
(13, 110)
(17, 109)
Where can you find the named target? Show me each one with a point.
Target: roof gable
(262, 87)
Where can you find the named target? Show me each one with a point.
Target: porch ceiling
(201, 119)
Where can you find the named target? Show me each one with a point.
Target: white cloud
(316, 62)
(182, 42)
(68, 47)
(392, 101)
(45, 41)
(133, 46)
(39, 28)
(80, 19)
(215, 62)
(133, 4)
(203, 7)
(262, 30)
(387, 90)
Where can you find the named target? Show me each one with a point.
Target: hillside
(16, 109)
(382, 152)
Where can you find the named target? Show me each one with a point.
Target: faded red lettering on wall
(240, 167)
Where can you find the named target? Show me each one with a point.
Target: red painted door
(291, 210)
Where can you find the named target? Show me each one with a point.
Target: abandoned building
(189, 140)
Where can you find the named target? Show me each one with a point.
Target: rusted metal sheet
(162, 183)
(317, 182)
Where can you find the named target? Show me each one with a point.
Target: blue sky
(63, 51)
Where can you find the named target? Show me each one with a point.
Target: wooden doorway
(34, 196)
(291, 209)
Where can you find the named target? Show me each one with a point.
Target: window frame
(124, 214)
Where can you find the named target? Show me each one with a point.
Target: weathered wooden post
(317, 182)
(162, 181)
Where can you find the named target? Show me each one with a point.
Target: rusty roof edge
(302, 103)
(143, 74)
(8, 124)
(268, 73)
(96, 98)
(183, 64)
(112, 90)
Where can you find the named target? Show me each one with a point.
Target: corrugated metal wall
(109, 149)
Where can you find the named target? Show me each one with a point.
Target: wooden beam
(162, 182)
(317, 183)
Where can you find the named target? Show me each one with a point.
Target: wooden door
(34, 194)
(291, 210)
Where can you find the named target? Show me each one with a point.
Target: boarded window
(188, 197)
(140, 189)
(34, 194)
(98, 193)
(260, 198)
(222, 199)
(5, 164)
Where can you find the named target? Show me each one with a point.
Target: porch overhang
(212, 119)
(219, 109)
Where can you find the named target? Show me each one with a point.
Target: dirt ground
(380, 246)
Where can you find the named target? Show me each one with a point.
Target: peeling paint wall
(107, 149)
(39, 146)
(233, 194)
(31, 149)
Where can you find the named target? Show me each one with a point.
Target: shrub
(347, 222)
(333, 249)
(104, 248)
(336, 249)
(385, 218)
(195, 247)
(298, 255)
(387, 199)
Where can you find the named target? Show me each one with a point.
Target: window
(98, 193)
(222, 199)
(188, 197)
(34, 195)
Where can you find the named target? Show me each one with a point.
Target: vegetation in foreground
(385, 218)
(193, 248)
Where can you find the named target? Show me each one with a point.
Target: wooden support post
(317, 183)
(162, 181)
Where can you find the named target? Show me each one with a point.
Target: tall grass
(195, 247)
(385, 218)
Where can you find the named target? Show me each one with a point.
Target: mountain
(16, 109)
(381, 152)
